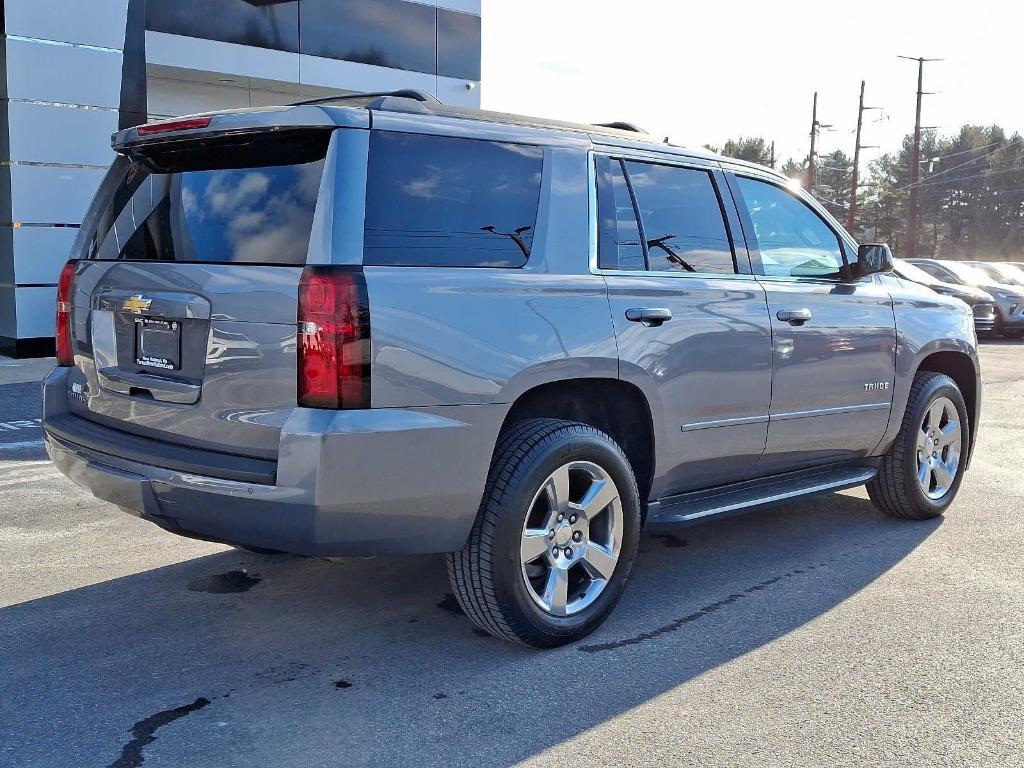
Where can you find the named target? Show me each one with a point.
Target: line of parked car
(993, 290)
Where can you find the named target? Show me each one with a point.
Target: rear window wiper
(675, 258)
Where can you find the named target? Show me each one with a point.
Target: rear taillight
(334, 339)
(65, 355)
(189, 124)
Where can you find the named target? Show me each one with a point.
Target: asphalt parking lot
(818, 633)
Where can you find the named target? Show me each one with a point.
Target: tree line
(971, 191)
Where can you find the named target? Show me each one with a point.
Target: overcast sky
(704, 72)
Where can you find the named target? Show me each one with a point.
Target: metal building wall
(71, 71)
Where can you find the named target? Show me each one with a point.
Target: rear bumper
(373, 482)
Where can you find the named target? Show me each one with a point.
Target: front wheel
(919, 476)
(555, 538)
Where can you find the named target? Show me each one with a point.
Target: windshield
(915, 274)
(1004, 273)
(969, 275)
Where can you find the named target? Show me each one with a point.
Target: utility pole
(814, 135)
(914, 202)
(815, 127)
(773, 154)
(852, 214)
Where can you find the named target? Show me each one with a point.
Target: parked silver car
(380, 325)
(1001, 272)
(982, 304)
(1009, 298)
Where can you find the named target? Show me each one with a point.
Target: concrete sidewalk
(19, 371)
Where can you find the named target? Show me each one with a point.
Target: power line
(957, 180)
(966, 151)
(961, 165)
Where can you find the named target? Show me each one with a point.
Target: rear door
(834, 340)
(185, 306)
(690, 321)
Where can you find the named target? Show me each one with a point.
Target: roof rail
(406, 93)
(621, 126)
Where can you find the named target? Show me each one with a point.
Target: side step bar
(702, 505)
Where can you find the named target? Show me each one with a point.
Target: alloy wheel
(571, 538)
(939, 441)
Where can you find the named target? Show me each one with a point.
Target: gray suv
(381, 325)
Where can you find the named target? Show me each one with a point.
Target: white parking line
(22, 444)
(11, 426)
(26, 464)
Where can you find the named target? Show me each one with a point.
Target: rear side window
(681, 226)
(792, 239)
(260, 214)
(682, 219)
(448, 202)
(619, 235)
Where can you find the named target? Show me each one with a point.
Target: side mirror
(872, 258)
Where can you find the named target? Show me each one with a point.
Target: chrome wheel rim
(571, 538)
(939, 440)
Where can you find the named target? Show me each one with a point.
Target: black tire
(486, 575)
(895, 490)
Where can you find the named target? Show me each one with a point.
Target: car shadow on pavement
(239, 659)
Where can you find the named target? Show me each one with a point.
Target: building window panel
(260, 23)
(458, 45)
(386, 33)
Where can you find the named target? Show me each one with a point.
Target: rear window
(442, 201)
(240, 213)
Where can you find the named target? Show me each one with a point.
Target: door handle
(794, 316)
(652, 317)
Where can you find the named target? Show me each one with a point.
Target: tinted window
(388, 33)
(682, 219)
(439, 201)
(254, 215)
(458, 44)
(261, 24)
(793, 240)
(937, 272)
(619, 235)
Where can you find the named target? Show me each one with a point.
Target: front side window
(793, 240)
(443, 201)
(682, 219)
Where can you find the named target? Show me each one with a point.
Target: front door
(692, 330)
(833, 340)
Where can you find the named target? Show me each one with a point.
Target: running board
(697, 507)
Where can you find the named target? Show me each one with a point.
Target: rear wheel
(920, 475)
(555, 538)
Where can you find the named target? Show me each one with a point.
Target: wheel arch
(963, 370)
(615, 407)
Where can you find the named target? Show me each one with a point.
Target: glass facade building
(73, 72)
